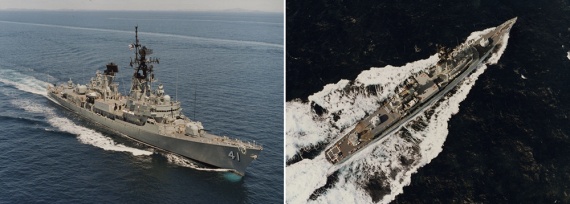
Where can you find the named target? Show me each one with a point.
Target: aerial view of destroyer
(418, 92)
(148, 115)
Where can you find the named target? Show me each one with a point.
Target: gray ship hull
(208, 152)
(383, 133)
(418, 93)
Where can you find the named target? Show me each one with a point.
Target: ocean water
(384, 167)
(501, 138)
(225, 68)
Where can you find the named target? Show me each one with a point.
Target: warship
(418, 92)
(148, 115)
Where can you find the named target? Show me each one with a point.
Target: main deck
(417, 93)
(373, 125)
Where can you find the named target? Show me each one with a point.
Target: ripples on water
(379, 172)
(229, 77)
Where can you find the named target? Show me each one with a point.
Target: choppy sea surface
(225, 68)
(501, 137)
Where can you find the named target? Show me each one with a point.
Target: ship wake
(84, 135)
(185, 162)
(379, 172)
(23, 82)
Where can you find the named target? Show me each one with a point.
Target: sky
(163, 5)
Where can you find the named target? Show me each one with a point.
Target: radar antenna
(142, 81)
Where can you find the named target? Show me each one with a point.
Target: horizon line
(236, 10)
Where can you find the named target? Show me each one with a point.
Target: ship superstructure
(149, 115)
(418, 92)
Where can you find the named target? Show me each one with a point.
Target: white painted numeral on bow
(232, 155)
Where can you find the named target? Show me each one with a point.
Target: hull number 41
(231, 155)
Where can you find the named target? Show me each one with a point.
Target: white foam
(393, 75)
(92, 137)
(23, 82)
(378, 160)
(184, 162)
(305, 176)
(431, 139)
(84, 135)
(195, 38)
(304, 129)
(87, 136)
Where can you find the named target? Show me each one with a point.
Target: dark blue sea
(510, 140)
(225, 68)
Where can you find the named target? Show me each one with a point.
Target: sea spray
(23, 82)
(84, 135)
(388, 163)
(185, 162)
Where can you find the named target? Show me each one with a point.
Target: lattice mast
(142, 82)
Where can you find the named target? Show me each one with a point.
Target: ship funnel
(112, 68)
